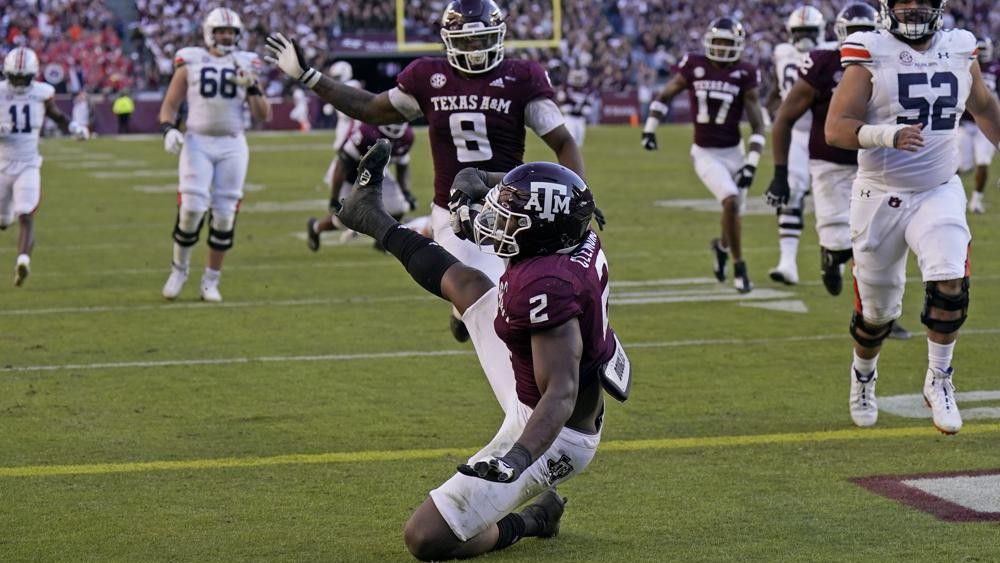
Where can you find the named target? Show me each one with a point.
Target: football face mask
(496, 227)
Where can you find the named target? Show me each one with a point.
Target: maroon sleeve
(539, 85)
(816, 70)
(684, 68)
(544, 303)
(752, 79)
(410, 81)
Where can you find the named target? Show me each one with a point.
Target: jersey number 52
(942, 113)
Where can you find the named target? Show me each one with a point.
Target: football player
(576, 101)
(903, 90)
(720, 88)
(476, 102)
(806, 27)
(975, 149)
(542, 338)
(24, 105)
(396, 196)
(216, 80)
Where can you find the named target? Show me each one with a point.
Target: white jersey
(911, 87)
(25, 113)
(215, 101)
(787, 62)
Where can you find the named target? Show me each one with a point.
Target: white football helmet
(917, 24)
(393, 130)
(20, 67)
(342, 71)
(473, 33)
(985, 46)
(806, 27)
(221, 18)
(724, 40)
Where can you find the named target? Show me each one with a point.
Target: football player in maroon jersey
(476, 102)
(720, 88)
(542, 337)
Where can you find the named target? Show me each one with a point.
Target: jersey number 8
(224, 86)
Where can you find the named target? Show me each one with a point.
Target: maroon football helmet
(539, 208)
(473, 33)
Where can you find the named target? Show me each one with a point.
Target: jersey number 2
(224, 86)
(944, 114)
(468, 130)
(26, 126)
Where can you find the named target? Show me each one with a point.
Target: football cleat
(786, 275)
(897, 332)
(864, 409)
(21, 270)
(833, 272)
(210, 290)
(458, 329)
(312, 237)
(175, 283)
(939, 394)
(546, 511)
(719, 258)
(976, 204)
(741, 280)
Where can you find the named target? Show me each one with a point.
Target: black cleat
(719, 258)
(458, 329)
(897, 332)
(831, 263)
(312, 237)
(363, 211)
(546, 512)
(741, 280)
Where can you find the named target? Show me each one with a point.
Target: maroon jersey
(475, 120)
(822, 71)
(716, 97)
(363, 137)
(546, 291)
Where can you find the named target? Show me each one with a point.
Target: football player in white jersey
(24, 105)
(806, 27)
(903, 90)
(341, 71)
(216, 81)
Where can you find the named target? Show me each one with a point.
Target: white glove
(79, 131)
(172, 141)
(6, 128)
(245, 78)
(287, 55)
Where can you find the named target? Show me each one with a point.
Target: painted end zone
(953, 497)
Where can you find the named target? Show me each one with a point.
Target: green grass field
(305, 417)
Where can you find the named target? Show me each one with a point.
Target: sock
(212, 275)
(511, 530)
(23, 259)
(789, 250)
(863, 366)
(182, 256)
(977, 197)
(939, 355)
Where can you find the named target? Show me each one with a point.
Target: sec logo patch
(438, 80)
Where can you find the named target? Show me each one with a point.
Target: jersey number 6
(224, 87)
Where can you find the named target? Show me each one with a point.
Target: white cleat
(785, 274)
(175, 283)
(939, 394)
(210, 290)
(864, 409)
(21, 270)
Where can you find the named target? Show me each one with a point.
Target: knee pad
(789, 221)
(188, 226)
(220, 231)
(933, 298)
(880, 332)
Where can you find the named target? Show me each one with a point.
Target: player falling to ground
(720, 87)
(832, 169)
(396, 196)
(576, 100)
(806, 27)
(216, 82)
(476, 102)
(975, 150)
(24, 105)
(542, 338)
(903, 90)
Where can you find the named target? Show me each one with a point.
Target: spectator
(123, 107)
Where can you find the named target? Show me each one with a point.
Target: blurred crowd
(622, 44)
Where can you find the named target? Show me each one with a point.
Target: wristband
(660, 107)
(518, 457)
(254, 90)
(310, 77)
(758, 139)
(873, 136)
(164, 127)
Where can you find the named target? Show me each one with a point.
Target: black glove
(599, 218)
(744, 176)
(504, 469)
(649, 142)
(778, 192)
(363, 211)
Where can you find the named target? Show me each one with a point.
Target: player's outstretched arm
(800, 98)
(358, 103)
(984, 107)
(430, 265)
(659, 108)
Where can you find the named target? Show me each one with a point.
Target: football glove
(172, 138)
(778, 192)
(468, 190)
(649, 142)
(79, 131)
(504, 469)
(245, 78)
(744, 176)
(287, 55)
